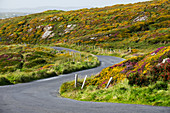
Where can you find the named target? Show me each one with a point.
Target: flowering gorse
(140, 70)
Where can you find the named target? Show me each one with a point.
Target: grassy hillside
(120, 26)
(119, 30)
(23, 63)
(140, 80)
(140, 71)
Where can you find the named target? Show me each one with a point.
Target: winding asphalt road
(42, 96)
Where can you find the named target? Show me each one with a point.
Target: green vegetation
(138, 26)
(123, 52)
(129, 29)
(156, 94)
(23, 63)
(140, 80)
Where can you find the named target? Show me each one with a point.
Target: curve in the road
(42, 96)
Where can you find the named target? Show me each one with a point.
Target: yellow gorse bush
(141, 65)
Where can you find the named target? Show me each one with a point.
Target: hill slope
(24, 63)
(141, 70)
(118, 26)
(138, 80)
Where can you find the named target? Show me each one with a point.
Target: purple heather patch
(157, 50)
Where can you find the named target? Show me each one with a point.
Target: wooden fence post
(130, 50)
(109, 82)
(84, 82)
(76, 78)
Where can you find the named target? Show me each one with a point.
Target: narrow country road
(42, 96)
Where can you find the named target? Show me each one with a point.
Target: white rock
(68, 26)
(164, 60)
(52, 35)
(74, 25)
(58, 18)
(53, 18)
(93, 38)
(153, 54)
(30, 30)
(61, 26)
(140, 18)
(11, 34)
(39, 26)
(46, 34)
(47, 28)
(47, 31)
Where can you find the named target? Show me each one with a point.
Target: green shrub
(159, 85)
(156, 94)
(19, 77)
(8, 69)
(35, 62)
(44, 74)
(69, 86)
(43, 53)
(136, 79)
(30, 57)
(4, 81)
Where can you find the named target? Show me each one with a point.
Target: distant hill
(10, 13)
(4, 15)
(138, 24)
(39, 9)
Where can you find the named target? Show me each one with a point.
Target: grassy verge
(156, 94)
(24, 63)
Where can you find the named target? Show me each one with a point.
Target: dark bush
(44, 74)
(4, 81)
(160, 85)
(35, 63)
(135, 79)
(31, 57)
